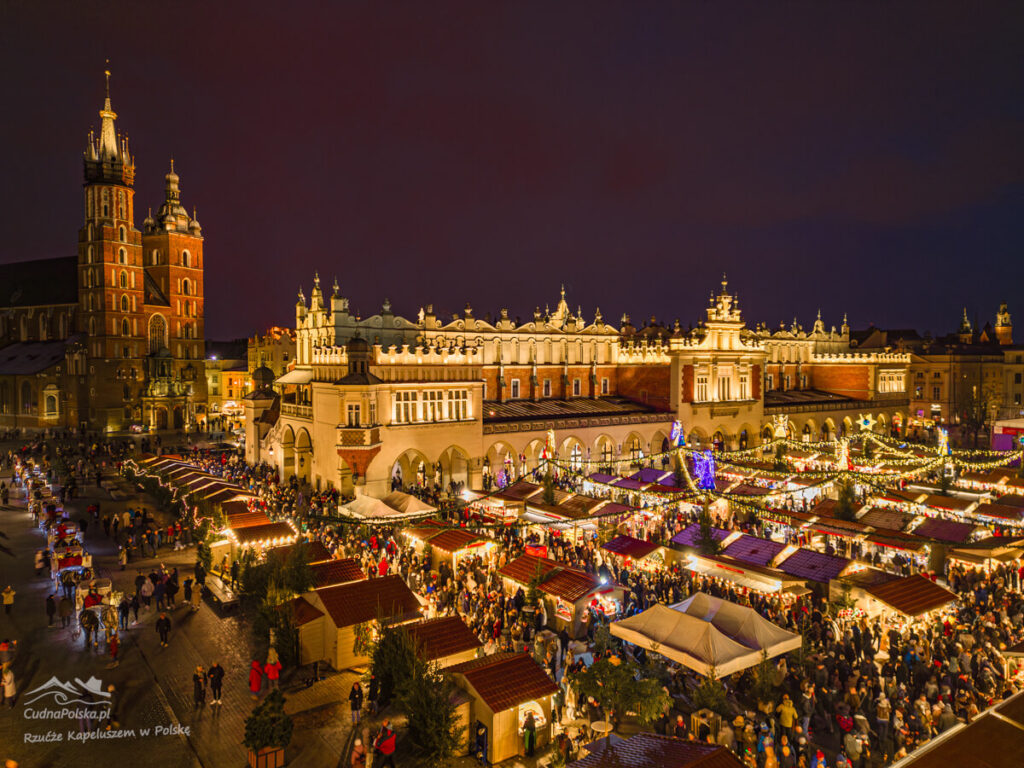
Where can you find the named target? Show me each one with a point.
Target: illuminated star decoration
(867, 423)
(704, 469)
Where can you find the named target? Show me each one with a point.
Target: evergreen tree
(779, 465)
(619, 686)
(846, 505)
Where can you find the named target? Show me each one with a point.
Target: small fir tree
(268, 725)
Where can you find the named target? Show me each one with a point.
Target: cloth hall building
(112, 337)
(377, 402)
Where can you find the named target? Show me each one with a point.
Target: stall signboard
(537, 550)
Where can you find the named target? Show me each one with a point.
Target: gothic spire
(108, 134)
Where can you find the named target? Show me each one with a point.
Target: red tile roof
(330, 572)
(945, 530)
(304, 612)
(954, 503)
(454, 539)
(627, 546)
(315, 551)
(886, 517)
(443, 636)
(361, 601)
(505, 680)
(523, 568)
(646, 750)
(913, 595)
(557, 580)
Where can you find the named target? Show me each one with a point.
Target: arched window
(156, 258)
(186, 287)
(90, 303)
(124, 279)
(121, 233)
(88, 255)
(157, 333)
(126, 329)
(186, 259)
(92, 325)
(122, 255)
(124, 303)
(89, 231)
(51, 405)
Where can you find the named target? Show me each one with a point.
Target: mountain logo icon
(89, 693)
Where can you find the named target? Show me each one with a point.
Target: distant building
(112, 337)
(228, 380)
(275, 349)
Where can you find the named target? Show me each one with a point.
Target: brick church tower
(140, 296)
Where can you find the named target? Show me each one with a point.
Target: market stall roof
(651, 475)
(268, 532)
(315, 551)
(948, 503)
(327, 573)
(455, 540)
(659, 488)
(504, 680)
(369, 508)
(886, 517)
(828, 508)
(238, 520)
(754, 550)
(424, 529)
(690, 535)
(644, 750)
(407, 504)
(902, 497)
(556, 579)
(814, 566)
(951, 531)
(912, 596)
(686, 639)
(519, 491)
(833, 526)
(296, 376)
(627, 546)
(225, 494)
(746, 489)
(999, 511)
(523, 568)
(744, 574)
(304, 612)
(1012, 500)
(896, 540)
(580, 505)
(742, 624)
(362, 601)
(614, 508)
(601, 477)
(994, 739)
(629, 484)
(442, 636)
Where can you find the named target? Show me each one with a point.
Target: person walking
(8, 596)
(163, 626)
(272, 669)
(355, 698)
(199, 688)
(51, 609)
(196, 598)
(113, 644)
(10, 689)
(255, 679)
(384, 745)
(529, 734)
(64, 608)
(216, 675)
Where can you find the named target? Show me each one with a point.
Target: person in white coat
(10, 689)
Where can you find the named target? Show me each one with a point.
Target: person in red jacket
(384, 745)
(272, 669)
(255, 679)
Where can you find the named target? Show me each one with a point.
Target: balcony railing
(297, 411)
(355, 437)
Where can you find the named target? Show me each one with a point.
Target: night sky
(854, 156)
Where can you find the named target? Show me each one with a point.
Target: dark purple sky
(857, 156)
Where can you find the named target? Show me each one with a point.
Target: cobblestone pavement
(154, 684)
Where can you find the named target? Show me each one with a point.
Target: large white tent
(686, 639)
(705, 633)
(394, 506)
(742, 623)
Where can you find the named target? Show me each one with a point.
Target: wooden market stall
(445, 640)
(878, 592)
(504, 688)
(568, 593)
(330, 620)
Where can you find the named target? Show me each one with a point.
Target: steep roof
(40, 282)
(913, 595)
(443, 636)
(152, 295)
(627, 546)
(644, 750)
(504, 680)
(327, 573)
(361, 601)
(27, 358)
(815, 566)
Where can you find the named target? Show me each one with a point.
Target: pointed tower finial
(819, 314)
(725, 283)
(172, 164)
(108, 134)
(106, 72)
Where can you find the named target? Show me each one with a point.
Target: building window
(744, 387)
(1016, 399)
(124, 279)
(121, 235)
(770, 382)
(404, 407)
(186, 259)
(936, 393)
(126, 329)
(433, 404)
(88, 256)
(186, 288)
(1016, 378)
(702, 389)
(575, 387)
(789, 383)
(458, 404)
(124, 303)
(604, 386)
(122, 256)
(724, 385)
(373, 413)
(515, 388)
(353, 415)
(546, 388)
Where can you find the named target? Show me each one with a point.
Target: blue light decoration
(676, 436)
(944, 448)
(704, 469)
